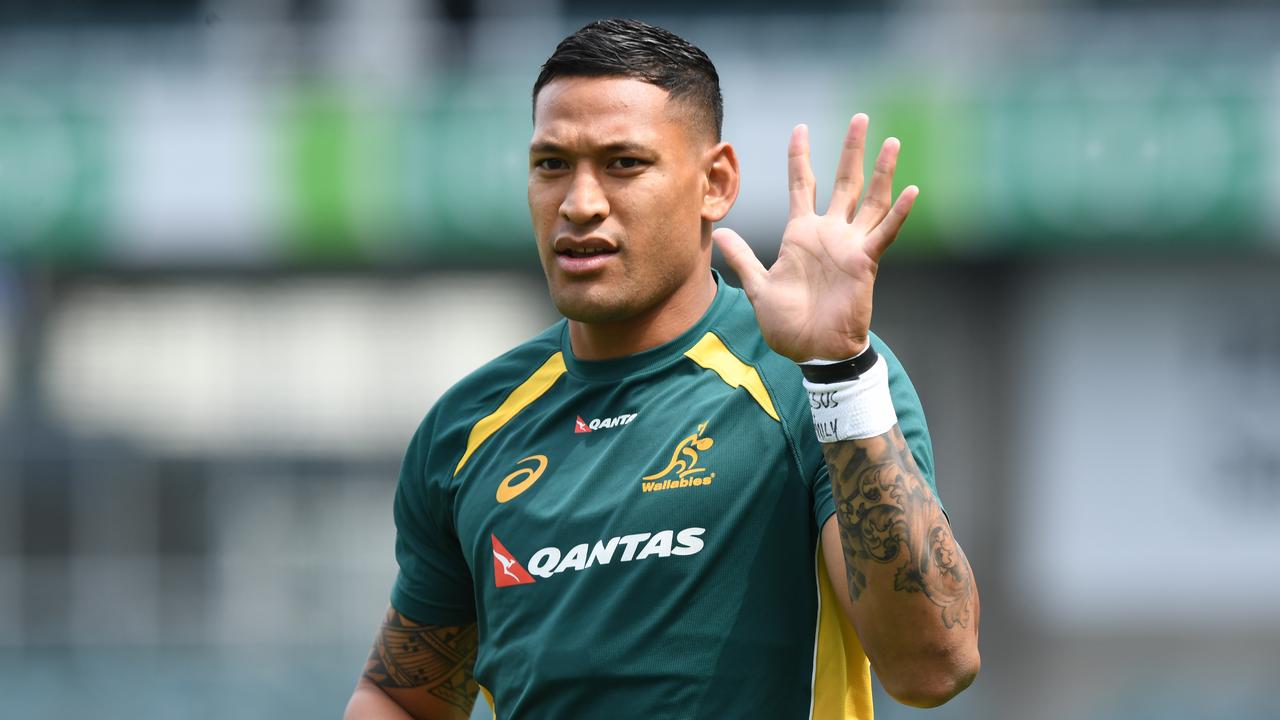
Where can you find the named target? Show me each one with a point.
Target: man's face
(616, 186)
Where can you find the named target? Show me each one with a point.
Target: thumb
(740, 257)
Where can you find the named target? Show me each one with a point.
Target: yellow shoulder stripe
(520, 398)
(711, 353)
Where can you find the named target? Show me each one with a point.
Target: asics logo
(522, 479)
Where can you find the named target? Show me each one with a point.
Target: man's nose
(586, 202)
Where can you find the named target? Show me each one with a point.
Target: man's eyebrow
(550, 148)
(547, 148)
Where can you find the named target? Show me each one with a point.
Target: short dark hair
(635, 49)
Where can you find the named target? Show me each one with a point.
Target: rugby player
(683, 500)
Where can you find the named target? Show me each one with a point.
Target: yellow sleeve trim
(488, 697)
(841, 673)
(520, 398)
(711, 353)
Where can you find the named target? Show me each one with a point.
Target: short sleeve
(906, 402)
(434, 585)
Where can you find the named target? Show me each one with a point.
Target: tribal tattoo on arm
(434, 658)
(888, 515)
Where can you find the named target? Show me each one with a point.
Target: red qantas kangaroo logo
(506, 569)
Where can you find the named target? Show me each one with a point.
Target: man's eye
(551, 164)
(626, 163)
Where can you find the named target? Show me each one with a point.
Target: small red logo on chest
(506, 569)
(583, 426)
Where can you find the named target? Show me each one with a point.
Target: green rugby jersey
(637, 537)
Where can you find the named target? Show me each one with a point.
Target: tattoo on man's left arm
(434, 658)
(888, 515)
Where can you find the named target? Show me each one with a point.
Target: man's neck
(662, 323)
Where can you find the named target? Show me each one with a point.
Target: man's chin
(588, 308)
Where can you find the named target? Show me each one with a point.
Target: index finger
(800, 173)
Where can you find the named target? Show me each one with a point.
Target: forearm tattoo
(888, 515)
(437, 658)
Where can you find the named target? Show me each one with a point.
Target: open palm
(815, 301)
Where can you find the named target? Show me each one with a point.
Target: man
(632, 514)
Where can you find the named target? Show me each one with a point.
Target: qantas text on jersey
(582, 426)
(638, 546)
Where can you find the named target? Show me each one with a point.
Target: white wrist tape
(853, 409)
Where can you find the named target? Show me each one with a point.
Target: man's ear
(722, 180)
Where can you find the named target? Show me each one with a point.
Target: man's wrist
(826, 372)
(850, 409)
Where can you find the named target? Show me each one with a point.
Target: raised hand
(815, 301)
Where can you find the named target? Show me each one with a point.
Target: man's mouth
(586, 252)
(584, 256)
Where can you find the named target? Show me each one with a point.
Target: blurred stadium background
(244, 244)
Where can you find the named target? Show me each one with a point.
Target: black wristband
(842, 371)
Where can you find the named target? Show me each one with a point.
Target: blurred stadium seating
(244, 245)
